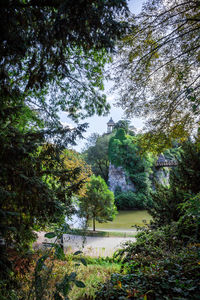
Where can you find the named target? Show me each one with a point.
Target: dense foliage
(184, 184)
(164, 261)
(72, 161)
(157, 266)
(124, 151)
(130, 200)
(52, 57)
(96, 154)
(98, 202)
(59, 47)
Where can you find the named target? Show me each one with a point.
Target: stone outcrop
(117, 178)
(162, 176)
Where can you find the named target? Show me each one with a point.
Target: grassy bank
(97, 270)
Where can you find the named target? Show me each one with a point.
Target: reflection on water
(125, 220)
(75, 221)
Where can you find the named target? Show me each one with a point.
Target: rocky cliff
(118, 178)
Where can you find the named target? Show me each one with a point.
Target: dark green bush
(130, 200)
(158, 266)
(184, 184)
(175, 277)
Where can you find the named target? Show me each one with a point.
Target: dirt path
(94, 246)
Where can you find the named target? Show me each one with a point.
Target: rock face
(162, 176)
(117, 178)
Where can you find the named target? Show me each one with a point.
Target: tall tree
(97, 156)
(52, 57)
(184, 185)
(98, 202)
(59, 48)
(122, 124)
(72, 161)
(158, 68)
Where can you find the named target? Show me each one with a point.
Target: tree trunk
(93, 224)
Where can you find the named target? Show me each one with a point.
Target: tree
(97, 156)
(52, 58)
(72, 161)
(157, 69)
(124, 151)
(122, 124)
(52, 55)
(57, 50)
(184, 185)
(98, 203)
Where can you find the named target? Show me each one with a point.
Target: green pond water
(125, 220)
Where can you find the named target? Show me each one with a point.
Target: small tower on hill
(110, 125)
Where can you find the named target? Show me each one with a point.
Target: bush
(175, 277)
(130, 200)
(157, 266)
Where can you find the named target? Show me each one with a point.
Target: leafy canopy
(98, 202)
(157, 69)
(57, 50)
(52, 59)
(184, 186)
(124, 150)
(97, 155)
(73, 161)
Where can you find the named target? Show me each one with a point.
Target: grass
(98, 270)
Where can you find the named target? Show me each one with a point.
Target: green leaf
(194, 107)
(50, 235)
(72, 276)
(79, 284)
(77, 252)
(83, 261)
(77, 265)
(59, 252)
(40, 263)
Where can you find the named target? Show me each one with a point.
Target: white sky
(99, 124)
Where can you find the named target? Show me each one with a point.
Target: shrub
(130, 200)
(175, 277)
(157, 266)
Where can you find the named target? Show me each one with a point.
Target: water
(75, 221)
(125, 220)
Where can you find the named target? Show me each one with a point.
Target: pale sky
(99, 124)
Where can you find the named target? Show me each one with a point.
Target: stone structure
(117, 178)
(163, 162)
(110, 125)
(162, 167)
